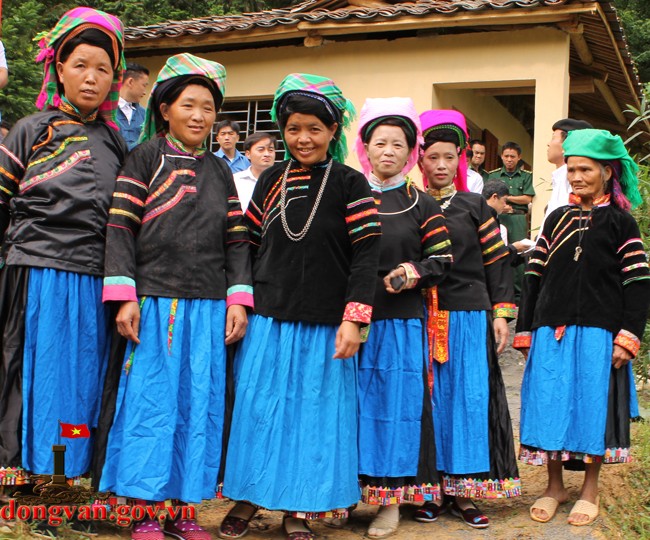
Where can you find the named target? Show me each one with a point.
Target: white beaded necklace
(297, 237)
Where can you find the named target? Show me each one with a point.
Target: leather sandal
(430, 511)
(548, 504)
(233, 527)
(588, 509)
(471, 516)
(298, 535)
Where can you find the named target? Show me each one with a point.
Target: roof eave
(379, 24)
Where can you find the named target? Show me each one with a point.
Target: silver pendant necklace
(297, 237)
(581, 233)
(446, 204)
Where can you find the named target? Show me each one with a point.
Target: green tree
(17, 98)
(635, 15)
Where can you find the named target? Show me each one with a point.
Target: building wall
(436, 71)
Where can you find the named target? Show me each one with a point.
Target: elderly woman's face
(586, 177)
(440, 163)
(387, 151)
(86, 77)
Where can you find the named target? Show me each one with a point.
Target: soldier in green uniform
(520, 185)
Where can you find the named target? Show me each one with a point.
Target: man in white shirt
(555, 155)
(474, 181)
(130, 114)
(259, 148)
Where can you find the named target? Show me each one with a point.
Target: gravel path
(509, 518)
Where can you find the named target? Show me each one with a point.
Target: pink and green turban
(70, 25)
(181, 68)
(325, 91)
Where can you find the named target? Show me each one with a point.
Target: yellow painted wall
(435, 71)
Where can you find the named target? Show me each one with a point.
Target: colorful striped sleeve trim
(628, 341)
(522, 340)
(634, 278)
(133, 181)
(119, 289)
(357, 312)
(629, 242)
(241, 295)
(505, 310)
(12, 156)
(437, 247)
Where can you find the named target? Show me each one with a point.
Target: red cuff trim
(504, 310)
(356, 312)
(628, 341)
(523, 340)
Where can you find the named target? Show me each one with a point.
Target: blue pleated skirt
(564, 393)
(65, 357)
(460, 397)
(391, 392)
(166, 438)
(293, 440)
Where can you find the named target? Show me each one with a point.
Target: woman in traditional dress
(57, 175)
(582, 319)
(177, 260)
(467, 329)
(397, 460)
(315, 234)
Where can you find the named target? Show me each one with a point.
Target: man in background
(130, 114)
(555, 155)
(259, 148)
(478, 158)
(228, 137)
(521, 193)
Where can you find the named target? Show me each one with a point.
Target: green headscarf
(306, 84)
(180, 65)
(601, 145)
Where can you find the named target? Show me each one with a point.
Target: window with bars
(251, 115)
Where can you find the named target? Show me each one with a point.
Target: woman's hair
(441, 135)
(175, 92)
(169, 91)
(398, 121)
(90, 36)
(317, 106)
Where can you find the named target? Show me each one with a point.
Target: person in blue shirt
(130, 114)
(227, 137)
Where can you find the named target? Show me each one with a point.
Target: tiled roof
(315, 11)
(336, 19)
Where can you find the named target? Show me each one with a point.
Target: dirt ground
(509, 519)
